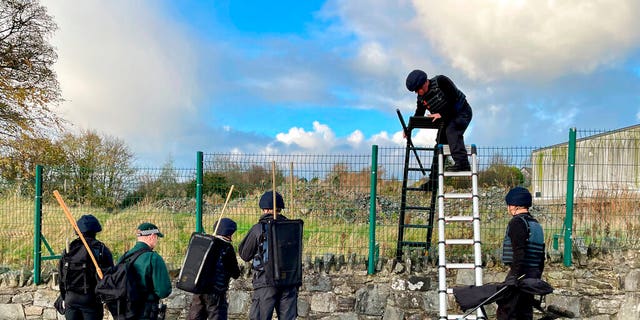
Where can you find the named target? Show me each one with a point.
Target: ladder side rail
(480, 313)
(442, 263)
(403, 201)
(476, 218)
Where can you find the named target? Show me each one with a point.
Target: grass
(326, 230)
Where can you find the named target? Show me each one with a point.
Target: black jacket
(249, 248)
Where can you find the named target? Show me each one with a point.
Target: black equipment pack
(77, 272)
(202, 270)
(119, 288)
(282, 251)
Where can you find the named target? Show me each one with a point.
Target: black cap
(226, 227)
(266, 201)
(518, 196)
(416, 79)
(89, 224)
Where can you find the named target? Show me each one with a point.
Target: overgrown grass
(326, 228)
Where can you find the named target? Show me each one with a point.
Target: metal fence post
(568, 219)
(199, 179)
(372, 211)
(37, 227)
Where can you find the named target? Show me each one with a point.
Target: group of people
(79, 277)
(523, 245)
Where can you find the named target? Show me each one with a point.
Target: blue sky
(174, 77)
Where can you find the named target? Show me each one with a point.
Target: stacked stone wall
(601, 286)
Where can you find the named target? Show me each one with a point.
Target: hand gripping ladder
(460, 222)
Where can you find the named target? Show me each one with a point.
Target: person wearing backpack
(150, 272)
(266, 296)
(78, 275)
(212, 304)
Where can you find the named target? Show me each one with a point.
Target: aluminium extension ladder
(459, 221)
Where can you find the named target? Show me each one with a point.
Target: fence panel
(164, 196)
(607, 188)
(331, 193)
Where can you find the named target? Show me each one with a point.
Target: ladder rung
(458, 219)
(459, 316)
(418, 169)
(457, 173)
(416, 226)
(458, 241)
(417, 208)
(413, 243)
(421, 148)
(460, 266)
(458, 195)
(447, 152)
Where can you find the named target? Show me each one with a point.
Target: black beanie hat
(519, 196)
(266, 201)
(89, 224)
(226, 227)
(416, 79)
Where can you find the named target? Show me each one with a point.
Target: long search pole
(222, 213)
(75, 227)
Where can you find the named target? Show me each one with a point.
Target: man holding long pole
(79, 276)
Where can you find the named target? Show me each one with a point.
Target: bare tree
(28, 84)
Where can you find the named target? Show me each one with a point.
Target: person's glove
(59, 305)
(511, 281)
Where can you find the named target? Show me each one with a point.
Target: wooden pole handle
(222, 213)
(75, 227)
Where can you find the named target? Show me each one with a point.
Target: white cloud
(529, 39)
(127, 71)
(321, 138)
(356, 138)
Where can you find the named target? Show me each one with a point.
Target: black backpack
(77, 272)
(280, 252)
(119, 287)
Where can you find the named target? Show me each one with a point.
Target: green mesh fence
(331, 194)
(121, 201)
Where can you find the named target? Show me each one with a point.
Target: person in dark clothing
(213, 304)
(151, 272)
(267, 297)
(440, 96)
(524, 252)
(78, 275)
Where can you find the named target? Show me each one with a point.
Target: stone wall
(601, 286)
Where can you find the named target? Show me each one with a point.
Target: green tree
(28, 84)
(96, 168)
(18, 163)
(499, 173)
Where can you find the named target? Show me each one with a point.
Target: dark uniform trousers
(517, 305)
(209, 307)
(283, 300)
(79, 306)
(454, 136)
(84, 313)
